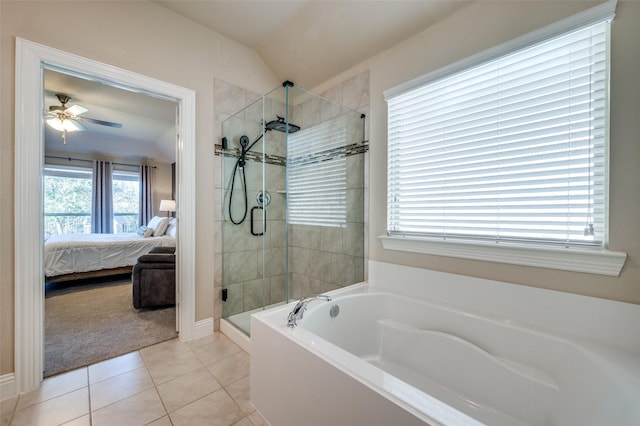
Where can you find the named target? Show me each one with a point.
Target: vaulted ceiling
(305, 41)
(310, 41)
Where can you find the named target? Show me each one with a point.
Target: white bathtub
(404, 359)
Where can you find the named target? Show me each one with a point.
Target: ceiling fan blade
(95, 121)
(80, 126)
(76, 110)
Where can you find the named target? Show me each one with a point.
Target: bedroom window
(67, 200)
(126, 189)
(510, 150)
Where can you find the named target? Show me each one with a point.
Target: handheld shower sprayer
(245, 146)
(244, 143)
(280, 125)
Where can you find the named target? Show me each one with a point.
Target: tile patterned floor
(203, 382)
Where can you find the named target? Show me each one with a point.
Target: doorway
(88, 310)
(29, 153)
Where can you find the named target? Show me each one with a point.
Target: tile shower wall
(354, 93)
(323, 258)
(245, 262)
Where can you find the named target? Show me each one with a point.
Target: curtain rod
(91, 161)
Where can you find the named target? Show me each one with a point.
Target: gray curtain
(146, 201)
(102, 198)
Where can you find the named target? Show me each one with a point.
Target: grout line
(121, 398)
(233, 399)
(166, 412)
(120, 374)
(89, 398)
(39, 402)
(13, 410)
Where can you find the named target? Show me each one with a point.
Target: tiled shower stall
(310, 237)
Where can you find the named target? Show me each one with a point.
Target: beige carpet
(95, 321)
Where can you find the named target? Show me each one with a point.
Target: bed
(77, 256)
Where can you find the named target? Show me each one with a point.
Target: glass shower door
(294, 201)
(243, 228)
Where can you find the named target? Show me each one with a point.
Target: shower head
(281, 126)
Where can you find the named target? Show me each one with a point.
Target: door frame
(28, 204)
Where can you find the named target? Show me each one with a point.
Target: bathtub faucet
(301, 306)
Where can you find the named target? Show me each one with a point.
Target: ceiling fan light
(55, 123)
(62, 125)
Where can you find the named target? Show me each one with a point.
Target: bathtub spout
(301, 306)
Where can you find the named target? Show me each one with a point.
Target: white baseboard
(237, 336)
(203, 328)
(7, 386)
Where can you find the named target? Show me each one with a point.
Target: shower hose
(240, 164)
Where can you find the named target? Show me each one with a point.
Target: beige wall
(138, 36)
(477, 28)
(161, 185)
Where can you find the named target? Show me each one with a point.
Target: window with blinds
(513, 149)
(317, 176)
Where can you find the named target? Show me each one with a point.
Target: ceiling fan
(69, 119)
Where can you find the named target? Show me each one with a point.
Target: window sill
(601, 262)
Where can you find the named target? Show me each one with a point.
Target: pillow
(154, 222)
(145, 232)
(172, 230)
(159, 225)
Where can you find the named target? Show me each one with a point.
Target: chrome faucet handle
(301, 306)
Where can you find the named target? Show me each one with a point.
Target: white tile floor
(203, 382)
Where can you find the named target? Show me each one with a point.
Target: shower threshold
(242, 320)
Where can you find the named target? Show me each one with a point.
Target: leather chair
(154, 278)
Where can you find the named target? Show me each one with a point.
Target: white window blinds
(513, 149)
(317, 178)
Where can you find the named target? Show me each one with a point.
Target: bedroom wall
(474, 29)
(138, 36)
(161, 189)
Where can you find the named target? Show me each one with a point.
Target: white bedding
(70, 253)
